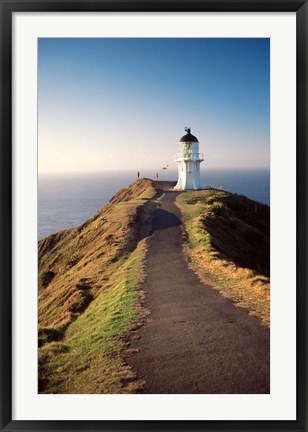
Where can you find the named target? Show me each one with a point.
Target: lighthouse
(188, 161)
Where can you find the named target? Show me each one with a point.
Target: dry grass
(228, 245)
(88, 297)
(90, 358)
(90, 301)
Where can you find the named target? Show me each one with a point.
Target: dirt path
(196, 340)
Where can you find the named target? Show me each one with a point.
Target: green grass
(87, 310)
(228, 246)
(95, 340)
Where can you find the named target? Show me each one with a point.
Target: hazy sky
(110, 104)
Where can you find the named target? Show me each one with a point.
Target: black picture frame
(8, 7)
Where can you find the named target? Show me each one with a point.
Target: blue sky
(110, 104)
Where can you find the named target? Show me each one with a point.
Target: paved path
(196, 341)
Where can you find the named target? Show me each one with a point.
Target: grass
(89, 359)
(228, 246)
(92, 301)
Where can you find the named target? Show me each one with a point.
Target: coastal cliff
(87, 299)
(90, 300)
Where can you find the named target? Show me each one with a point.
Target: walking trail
(196, 341)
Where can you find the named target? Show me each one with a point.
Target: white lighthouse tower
(188, 161)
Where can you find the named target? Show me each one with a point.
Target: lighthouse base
(180, 187)
(189, 176)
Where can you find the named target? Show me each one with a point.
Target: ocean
(66, 200)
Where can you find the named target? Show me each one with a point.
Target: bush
(49, 334)
(217, 207)
(46, 277)
(73, 260)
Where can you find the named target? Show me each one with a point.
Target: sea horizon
(67, 199)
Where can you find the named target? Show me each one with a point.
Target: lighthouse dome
(188, 137)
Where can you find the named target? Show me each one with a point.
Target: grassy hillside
(229, 245)
(90, 297)
(88, 301)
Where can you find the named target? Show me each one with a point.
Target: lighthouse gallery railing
(189, 155)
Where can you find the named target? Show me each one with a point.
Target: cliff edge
(90, 299)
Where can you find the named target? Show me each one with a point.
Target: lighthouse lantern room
(188, 161)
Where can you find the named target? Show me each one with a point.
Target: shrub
(217, 207)
(46, 277)
(73, 260)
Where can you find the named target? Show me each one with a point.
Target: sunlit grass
(228, 246)
(92, 359)
(88, 306)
